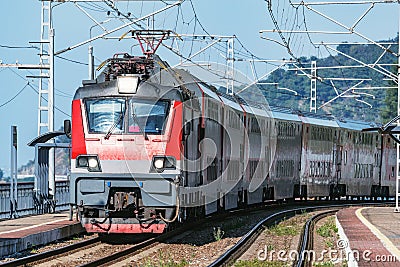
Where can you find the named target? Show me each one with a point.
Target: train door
(337, 157)
(191, 197)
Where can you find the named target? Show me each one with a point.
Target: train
(153, 146)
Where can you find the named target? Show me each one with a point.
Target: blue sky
(20, 22)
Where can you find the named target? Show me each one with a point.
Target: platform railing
(28, 204)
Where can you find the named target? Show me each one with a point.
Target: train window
(233, 119)
(105, 114)
(147, 116)
(213, 109)
(212, 168)
(345, 158)
(393, 171)
(255, 127)
(356, 170)
(284, 168)
(252, 169)
(233, 170)
(371, 170)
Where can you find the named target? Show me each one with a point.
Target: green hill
(341, 107)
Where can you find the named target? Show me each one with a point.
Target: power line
(34, 89)
(19, 47)
(37, 48)
(16, 73)
(15, 96)
(73, 61)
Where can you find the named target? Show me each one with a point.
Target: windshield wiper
(113, 126)
(140, 128)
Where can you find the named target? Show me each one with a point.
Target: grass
(218, 233)
(258, 263)
(328, 229)
(285, 228)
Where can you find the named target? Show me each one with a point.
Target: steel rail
(138, 248)
(307, 238)
(129, 251)
(133, 250)
(51, 253)
(228, 256)
(232, 254)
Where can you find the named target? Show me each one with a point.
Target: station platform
(370, 236)
(26, 232)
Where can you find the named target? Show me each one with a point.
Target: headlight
(90, 162)
(164, 162)
(159, 163)
(82, 162)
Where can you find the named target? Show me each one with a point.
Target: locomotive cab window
(105, 114)
(147, 116)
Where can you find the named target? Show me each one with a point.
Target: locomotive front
(125, 158)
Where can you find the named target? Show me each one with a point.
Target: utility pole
(91, 63)
(14, 173)
(313, 93)
(230, 72)
(397, 209)
(46, 85)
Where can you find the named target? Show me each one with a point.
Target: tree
(389, 110)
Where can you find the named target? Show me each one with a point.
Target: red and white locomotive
(152, 145)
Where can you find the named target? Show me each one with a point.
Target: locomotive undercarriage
(124, 205)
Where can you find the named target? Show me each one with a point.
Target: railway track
(62, 255)
(36, 258)
(307, 238)
(127, 252)
(121, 252)
(94, 244)
(234, 253)
(230, 256)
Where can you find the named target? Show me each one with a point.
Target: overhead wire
(18, 47)
(287, 41)
(93, 7)
(37, 48)
(55, 107)
(15, 96)
(29, 84)
(72, 61)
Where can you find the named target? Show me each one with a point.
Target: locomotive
(153, 145)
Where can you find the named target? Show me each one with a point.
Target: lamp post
(90, 48)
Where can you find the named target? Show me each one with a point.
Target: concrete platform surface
(24, 233)
(371, 235)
